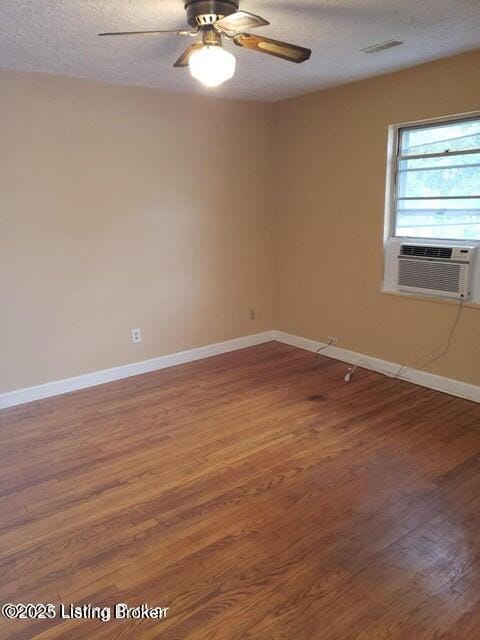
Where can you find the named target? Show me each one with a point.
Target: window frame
(393, 159)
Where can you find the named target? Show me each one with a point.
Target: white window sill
(425, 298)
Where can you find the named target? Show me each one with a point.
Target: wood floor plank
(255, 494)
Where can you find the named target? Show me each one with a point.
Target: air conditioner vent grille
(426, 251)
(439, 276)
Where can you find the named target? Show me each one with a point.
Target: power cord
(447, 342)
(331, 342)
(351, 371)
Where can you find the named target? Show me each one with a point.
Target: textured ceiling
(59, 36)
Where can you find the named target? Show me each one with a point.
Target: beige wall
(331, 165)
(124, 208)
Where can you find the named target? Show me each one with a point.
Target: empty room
(239, 320)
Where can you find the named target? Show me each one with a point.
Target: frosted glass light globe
(212, 65)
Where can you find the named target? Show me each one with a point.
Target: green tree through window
(438, 181)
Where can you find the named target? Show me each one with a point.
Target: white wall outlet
(136, 335)
(253, 314)
(332, 340)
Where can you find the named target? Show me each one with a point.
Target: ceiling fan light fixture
(212, 65)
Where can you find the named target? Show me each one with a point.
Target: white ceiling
(59, 36)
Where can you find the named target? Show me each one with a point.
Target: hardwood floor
(255, 494)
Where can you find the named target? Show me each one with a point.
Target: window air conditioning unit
(444, 271)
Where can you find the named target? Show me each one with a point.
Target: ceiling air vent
(383, 46)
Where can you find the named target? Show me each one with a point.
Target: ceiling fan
(208, 61)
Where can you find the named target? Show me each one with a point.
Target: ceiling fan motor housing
(201, 13)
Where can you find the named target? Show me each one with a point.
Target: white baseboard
(422, 378)
(58, 387)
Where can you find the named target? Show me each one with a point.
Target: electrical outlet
(332, 340)
(136, 335)
(253, 315)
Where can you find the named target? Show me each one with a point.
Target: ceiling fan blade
(239, 21)
(290, 52)
(185, 57)
(176, 32)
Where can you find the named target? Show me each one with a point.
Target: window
(436, 192)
